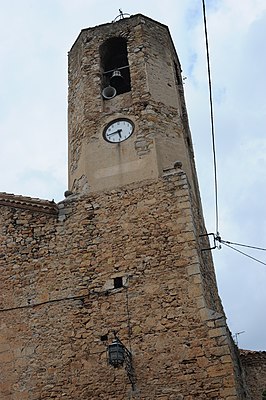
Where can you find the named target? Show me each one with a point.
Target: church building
(111, 293)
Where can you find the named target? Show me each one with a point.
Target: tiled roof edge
(29, 203)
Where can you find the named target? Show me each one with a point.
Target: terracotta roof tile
(29, 203)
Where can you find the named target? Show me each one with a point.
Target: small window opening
(104, 338)
(114, 64)
(177, 74)
(118, 282)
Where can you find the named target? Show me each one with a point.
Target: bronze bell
(116, 78)
(108, 92)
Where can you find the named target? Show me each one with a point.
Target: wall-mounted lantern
(116, 353)
(119, 356)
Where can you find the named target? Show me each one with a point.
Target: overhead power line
(243, 245)
(217, 237)
(212, 119)
(218, 241)
(244, 254)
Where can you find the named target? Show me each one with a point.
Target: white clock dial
(118, 130)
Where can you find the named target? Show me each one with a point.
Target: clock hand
(114, 133)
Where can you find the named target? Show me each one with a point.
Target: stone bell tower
(129, 140)
(121, 263)
(125, 74)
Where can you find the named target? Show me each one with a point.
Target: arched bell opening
(115, 68)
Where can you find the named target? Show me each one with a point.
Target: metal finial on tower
(121, 15)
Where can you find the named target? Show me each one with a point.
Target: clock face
(118, 130)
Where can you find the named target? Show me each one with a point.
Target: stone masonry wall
(254, 366)
(59, 308)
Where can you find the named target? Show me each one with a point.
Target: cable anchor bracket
(217, 240)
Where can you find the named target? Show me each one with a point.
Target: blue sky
(35, 38)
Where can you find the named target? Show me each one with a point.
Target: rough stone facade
(58, 292)
(254, 366)
(60, 263)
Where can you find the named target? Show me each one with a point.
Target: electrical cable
(240, 244)
(214, 149)
(212, 118)
(128, 318)
(79, 297)
(213, 146)
(244, 254)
